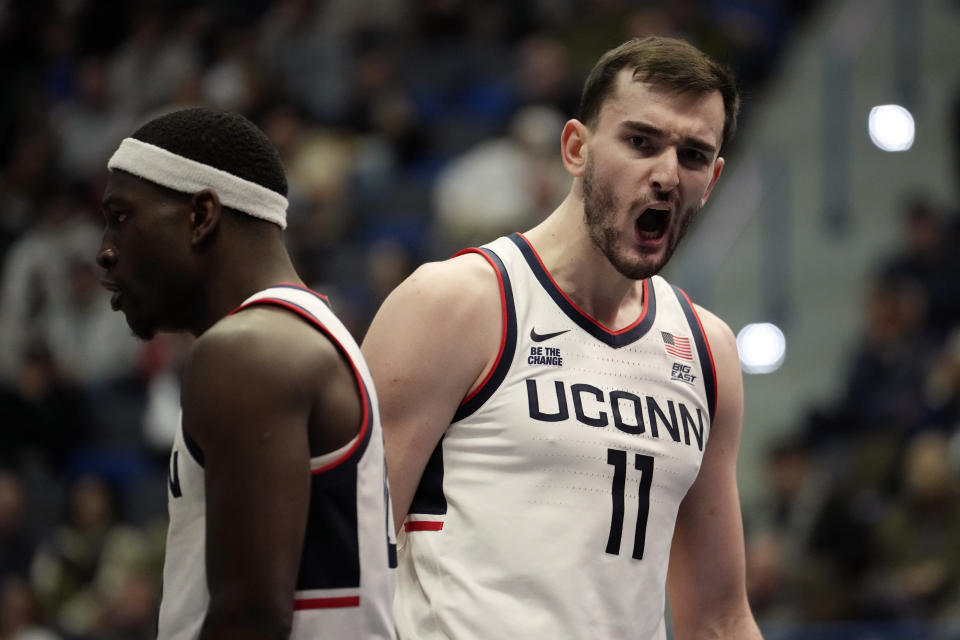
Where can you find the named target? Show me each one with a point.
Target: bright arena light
(891, 127)
(761, 347)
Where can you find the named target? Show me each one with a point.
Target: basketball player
(277, 496)
(561, 423)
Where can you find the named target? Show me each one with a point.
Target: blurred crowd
(409, 129)
(862, 517)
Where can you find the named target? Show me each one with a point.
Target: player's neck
(582, 271)
(231, 280)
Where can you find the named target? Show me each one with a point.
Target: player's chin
(651, 260)
(145, 334)
(141, 327)
(639, 267)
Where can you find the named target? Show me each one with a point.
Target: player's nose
(106, 255)
(665, 172)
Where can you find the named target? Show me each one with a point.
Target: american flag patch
(676, 346)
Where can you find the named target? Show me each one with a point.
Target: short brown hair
(665, 62)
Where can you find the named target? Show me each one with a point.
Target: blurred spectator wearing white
(50, 295)
(506, 183)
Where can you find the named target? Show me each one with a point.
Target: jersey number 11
(644, 464)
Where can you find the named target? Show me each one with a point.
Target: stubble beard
(600, 209)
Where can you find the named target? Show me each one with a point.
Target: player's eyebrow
(652, 131)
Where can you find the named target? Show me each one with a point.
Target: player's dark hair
(220, 139)
(667, 63)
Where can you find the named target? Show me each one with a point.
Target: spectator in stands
(87, 560)
(157, 57)
(130, 612)
(884, 385)
(780, 528)
(918, 555)
(49, 294)
(44, 417)
(25, 179)
(505, 183)
(942, 388)
(20, 617)
(88, 125)
(927, 259)
(16, 546)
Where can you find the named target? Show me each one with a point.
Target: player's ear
(205, 213)
(574, 147)
(717, 170)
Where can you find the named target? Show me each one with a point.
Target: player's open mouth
(653, 222)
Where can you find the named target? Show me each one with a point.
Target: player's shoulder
(434, 308)
(462, 279)
(720, 337)
(714, 326)
(261, 341)
(261, 361)
(469, 266)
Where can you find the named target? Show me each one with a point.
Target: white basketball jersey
(548, 508)
(346, 582)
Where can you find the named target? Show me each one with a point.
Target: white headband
(176, 172)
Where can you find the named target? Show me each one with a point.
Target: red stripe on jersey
(326, 603)
(294, 285)
(365, 420)
(283, 284)
(423, 525)
(364, 400)
(503, 321)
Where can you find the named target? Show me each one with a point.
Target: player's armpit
(707, 575)
(431, 342)
(245, 409)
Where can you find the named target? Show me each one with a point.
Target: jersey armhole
(703, 348)
(355, 447)
(508, 339)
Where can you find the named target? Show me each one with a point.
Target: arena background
(412, 128)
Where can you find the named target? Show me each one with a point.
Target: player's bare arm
(430, 344)
(706, 578)
(249, 389)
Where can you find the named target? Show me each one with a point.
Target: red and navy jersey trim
(360, 443)
(330, 558)
(508, 340)
(428, 498)
(423, 525)
(615, 339)
(291, 285)
(192, 447)
(195, 451)
(332, 602)
(703, 349)
(288, 285)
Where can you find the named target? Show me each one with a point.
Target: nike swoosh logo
(540, 337)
